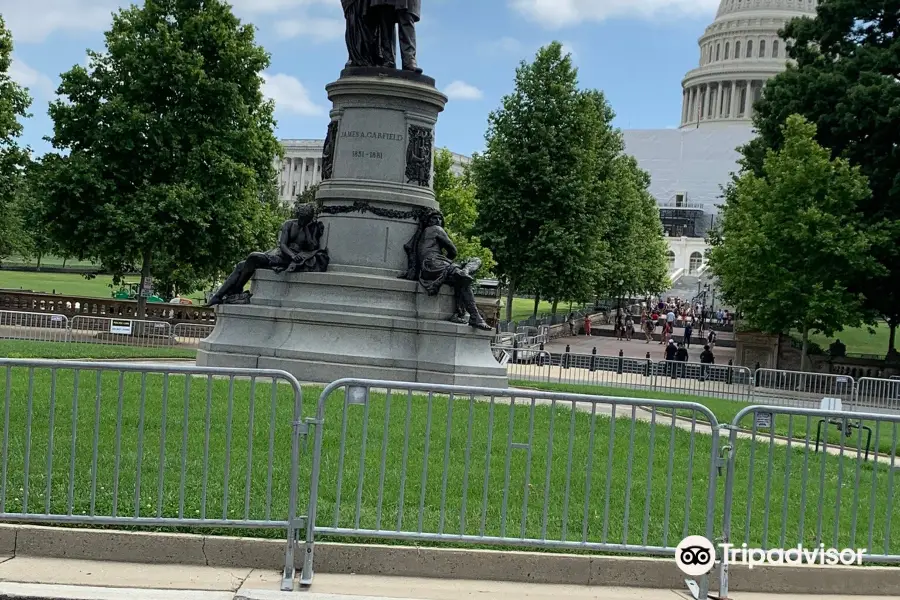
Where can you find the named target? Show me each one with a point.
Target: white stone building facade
(301, 167)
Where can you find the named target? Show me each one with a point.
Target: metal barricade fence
(877, 395)
(190, 334)
(123, 332)
(705, 380)
(800, 389)
(813, 479)
(40, 327)
(149, 445)
(432, 463)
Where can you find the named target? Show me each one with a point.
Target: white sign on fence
(120, 326)
(763, 420)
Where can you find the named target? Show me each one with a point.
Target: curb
(430, 562)
(27, 591)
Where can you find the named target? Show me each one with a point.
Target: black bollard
(542, 357)
(594, 359)
(567, 357)
(756, 374)
(648, 368)
(621, 366)
(729, 379)
(515, 356)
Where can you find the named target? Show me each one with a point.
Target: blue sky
(636, 51)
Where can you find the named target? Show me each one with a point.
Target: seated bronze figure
(299, 250)
(430, 256)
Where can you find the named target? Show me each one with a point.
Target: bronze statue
(392, 16)
(371, 33)
(430, 254)
(299, 250)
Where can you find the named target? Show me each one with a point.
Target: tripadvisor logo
(696, 555)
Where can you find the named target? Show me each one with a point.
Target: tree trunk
(510, 293)
(64, 262)
(39, 257)
(145, 273)
(537, 303)
(555, 305)
(804, 356)
(892, 340)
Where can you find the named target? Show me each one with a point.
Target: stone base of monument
(321, 327)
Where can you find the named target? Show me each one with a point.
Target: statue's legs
(468, 299)
(241, 275)
(407, 26)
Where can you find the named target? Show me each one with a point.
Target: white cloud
(290, 95)
(314, 28)
(35, 20)
(555, 14)
(37, 83)
(460, 90)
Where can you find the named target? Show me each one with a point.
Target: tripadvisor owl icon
(695, 555)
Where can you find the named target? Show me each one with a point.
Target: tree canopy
(165, 145)
(792, 238)
(845, 81)
(14, 103)
(545, 182)
(456, 195)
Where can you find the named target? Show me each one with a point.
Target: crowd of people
(667, 315)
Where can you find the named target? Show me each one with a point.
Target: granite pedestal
(359, 319)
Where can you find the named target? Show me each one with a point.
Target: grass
(69, 351)
(858, 340)
(523, 308)
(48, 261)
(66, 284)
(570, 474)
(725, 411)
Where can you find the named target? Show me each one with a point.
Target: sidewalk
(55, 579)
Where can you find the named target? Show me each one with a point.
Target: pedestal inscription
(371, 144)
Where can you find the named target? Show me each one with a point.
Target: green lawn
(858, 340)
(523, 308)
(67, 284)
(570, 473)
(63, 351)
(885, 437)
(48, 261)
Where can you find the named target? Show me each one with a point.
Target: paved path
(636, 348)
(56, 579)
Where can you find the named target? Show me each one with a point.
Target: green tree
(636, 264)
(167, 149)
(540, 211)
(14, 103)
(792, 239)
(35, 216)
(845, 80)
(457, 197)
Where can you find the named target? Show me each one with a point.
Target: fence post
(594, 359)
(541, 356)
(515, 356)
(729, 377)
(649, 366)
(620, 366)
(566, 357)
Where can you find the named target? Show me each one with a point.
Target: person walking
(620, 328)
(587, 325)
(670, 354)
(571, 322)
(706, 358)
(688, 333)
(681, 356)
(649, 328)
(629, 328)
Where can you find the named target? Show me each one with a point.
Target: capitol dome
(739, 52)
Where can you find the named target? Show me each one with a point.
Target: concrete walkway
(45, 578)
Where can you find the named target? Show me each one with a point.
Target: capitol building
(688, 165)
(739, 52)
